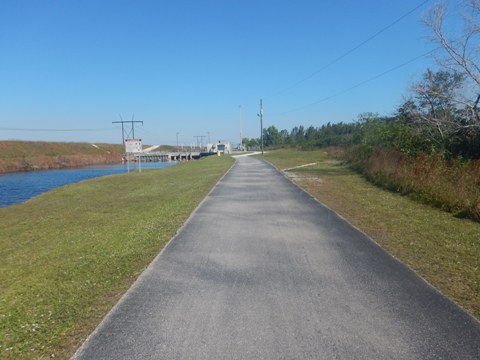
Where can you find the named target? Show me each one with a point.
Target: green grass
(442, 248)
(69, 254)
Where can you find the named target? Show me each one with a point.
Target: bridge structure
(164, 156)
(153, 154)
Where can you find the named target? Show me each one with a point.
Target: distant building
(219, 148)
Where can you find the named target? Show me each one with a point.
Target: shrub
(450, 184)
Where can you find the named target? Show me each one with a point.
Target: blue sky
(186, 66)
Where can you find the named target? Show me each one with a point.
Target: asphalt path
(261, 270)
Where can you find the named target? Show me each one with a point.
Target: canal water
(22, 186)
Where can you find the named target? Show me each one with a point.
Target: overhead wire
(358, 84)
(349, 51)
(55, 130)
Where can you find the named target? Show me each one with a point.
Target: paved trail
(263, 271)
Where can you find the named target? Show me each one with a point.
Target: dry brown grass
(452, 185)
(32, 155)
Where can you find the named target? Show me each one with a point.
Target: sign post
(133, 146)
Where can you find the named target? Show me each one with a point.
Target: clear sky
(185, 66)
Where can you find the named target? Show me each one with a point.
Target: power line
(55, 130)
(358, 84)
(124, 131)
(351, 50)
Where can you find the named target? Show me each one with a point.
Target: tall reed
(453, 185)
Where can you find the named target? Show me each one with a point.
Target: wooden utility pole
(261, 125)
(241, 127)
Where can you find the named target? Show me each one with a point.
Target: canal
(21, 186)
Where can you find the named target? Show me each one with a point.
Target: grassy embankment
(69, 254)
(32, 155)
(442, 248)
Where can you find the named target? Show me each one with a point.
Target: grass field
(69, 254)
(443, 249)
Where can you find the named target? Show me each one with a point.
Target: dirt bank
(32, 155)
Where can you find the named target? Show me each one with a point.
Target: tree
(460, 53)
(285, 136)
(272, 137)
(385, 133)
(311, 135)
(297, 135)
(251, 143)
(434, 104)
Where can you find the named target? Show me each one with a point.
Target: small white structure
(219, 148)
(133, 146)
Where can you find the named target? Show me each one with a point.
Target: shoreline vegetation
(18, 156)
(68, 255)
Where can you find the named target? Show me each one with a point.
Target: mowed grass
(69, 254)
(443, 249)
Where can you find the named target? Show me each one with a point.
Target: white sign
(133, 145)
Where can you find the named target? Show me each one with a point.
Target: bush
(450, 184)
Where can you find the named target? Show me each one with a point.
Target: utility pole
(241, 127)
(177, 140)
(132, 130)
(199, 138)
(123, 131)
(261, 125)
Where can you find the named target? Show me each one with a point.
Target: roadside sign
(133, 145)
